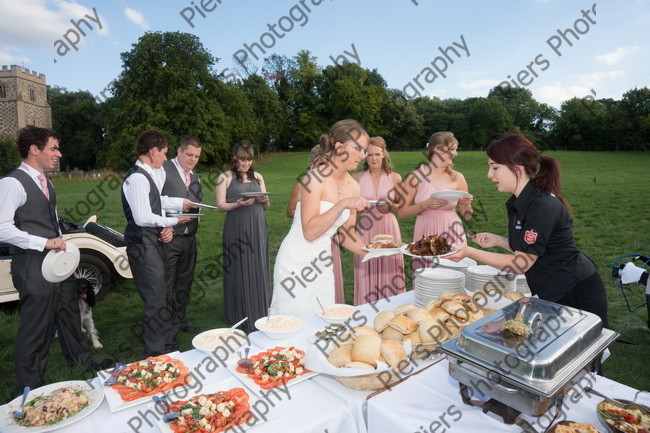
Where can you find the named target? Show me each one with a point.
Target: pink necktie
(187, 179)
(43, 181)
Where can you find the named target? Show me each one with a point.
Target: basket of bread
(426, 328)
(359, 358)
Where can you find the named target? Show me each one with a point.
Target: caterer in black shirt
(539, 230)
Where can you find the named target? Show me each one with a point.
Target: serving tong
(244, 362)
(169, 415)
(119, 367)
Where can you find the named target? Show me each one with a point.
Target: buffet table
(427, 402)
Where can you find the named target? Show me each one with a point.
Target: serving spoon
(321, 305)
(239, 323)
(20, 414)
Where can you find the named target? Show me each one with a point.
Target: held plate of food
(380, 246)
(256, 194)
(52, 406)
(450, 195)
(379, 202)
(429, 247)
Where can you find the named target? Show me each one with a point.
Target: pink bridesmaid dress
(443, 221)
(381, 277)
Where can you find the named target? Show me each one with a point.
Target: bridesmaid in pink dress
(437, 216)
(384, 276)
(339, 294)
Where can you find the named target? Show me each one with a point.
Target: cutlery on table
(169, 415)
(20, 414)
(116, 372)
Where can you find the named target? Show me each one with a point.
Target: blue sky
(558, 49)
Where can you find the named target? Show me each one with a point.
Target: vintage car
(103, 257)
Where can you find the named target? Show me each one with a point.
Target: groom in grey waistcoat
(182, 181)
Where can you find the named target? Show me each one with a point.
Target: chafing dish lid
(559, 334)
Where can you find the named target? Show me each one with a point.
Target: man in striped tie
(182, 181)
(29, 222)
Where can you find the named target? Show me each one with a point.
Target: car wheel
(95, 270)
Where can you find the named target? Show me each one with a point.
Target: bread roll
(403, 324)
(363, 330)
(341, 355)
(439, 315)
(414, 337)
(393, 351)
(462, 297)
(455, 308)
(382, 238)
(392, 334)
(480, 298)
(491, 289)
(402, 309)
(367, 348)
(359, 365)
(417, 314)
(447, 296)
(433, 303)
(514, 296)
(381, 320)
(432, 331)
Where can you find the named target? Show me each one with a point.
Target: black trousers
(42, 305)
(181, 260)
(148, 265)
(589, 295)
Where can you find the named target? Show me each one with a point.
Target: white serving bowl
(278, 334)
(220, 339)
(336, 319)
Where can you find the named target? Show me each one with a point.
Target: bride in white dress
(329, 201)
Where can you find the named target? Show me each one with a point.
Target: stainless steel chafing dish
(527, 373)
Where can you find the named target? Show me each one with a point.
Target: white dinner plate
(450, 195)
(222, 385)
(255, 194)
(203, 205)
(379, 202)
(184, 215)
(250, 383)
(57, 266)
(408, 253)
(383, 250)
(115, 402)
(6, 414)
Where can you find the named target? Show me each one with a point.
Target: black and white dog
(86, 294)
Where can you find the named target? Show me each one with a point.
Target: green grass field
(607, 191)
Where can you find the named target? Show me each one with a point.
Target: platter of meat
(429, 246)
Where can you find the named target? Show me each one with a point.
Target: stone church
(23, 100)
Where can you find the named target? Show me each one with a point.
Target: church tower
(23, 100)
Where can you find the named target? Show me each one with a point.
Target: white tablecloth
(428, 402)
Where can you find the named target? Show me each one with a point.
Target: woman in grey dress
(245, 238)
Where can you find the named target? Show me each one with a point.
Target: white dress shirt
(136, 192)
(14, 197)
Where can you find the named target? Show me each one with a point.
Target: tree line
(169, 83)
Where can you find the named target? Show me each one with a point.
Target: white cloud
(556, 94)
(136, 17)
(10, 59)
(39, 23)
(484, 83)
(617, 56)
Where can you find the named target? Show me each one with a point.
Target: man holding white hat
(29, 222)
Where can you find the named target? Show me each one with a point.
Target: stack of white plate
(478, 277)
(461, 265)
(431, 282)
(522, 285)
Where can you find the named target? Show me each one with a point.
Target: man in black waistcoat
(182, 181)
(147, 230)
(29, 222)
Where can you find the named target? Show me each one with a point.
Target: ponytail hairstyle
(242, 150)
(341, 132)
(544, 171)
(441, 141)
(386, 165)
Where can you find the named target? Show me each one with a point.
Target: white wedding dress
(303, 270)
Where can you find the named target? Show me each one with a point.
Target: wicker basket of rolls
(363, 353)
